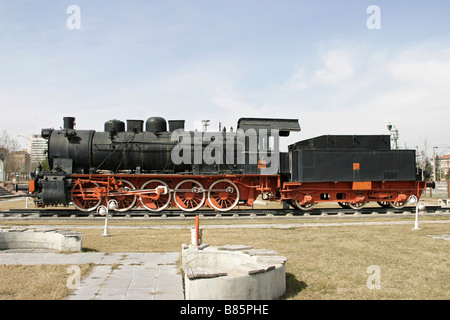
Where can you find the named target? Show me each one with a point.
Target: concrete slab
(116, 276)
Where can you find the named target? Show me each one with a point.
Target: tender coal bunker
(350, 158)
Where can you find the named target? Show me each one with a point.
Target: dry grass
(323, 262)
(17, 203)
(43, 282)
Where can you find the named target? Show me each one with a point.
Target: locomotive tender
(167, 166)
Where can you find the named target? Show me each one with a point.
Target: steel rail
(235, 213)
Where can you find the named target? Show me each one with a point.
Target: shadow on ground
(293, 286)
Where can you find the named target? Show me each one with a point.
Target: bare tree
(10, 144)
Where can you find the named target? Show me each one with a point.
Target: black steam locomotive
(165, 166)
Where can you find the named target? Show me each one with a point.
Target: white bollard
(105, 229)
(196, 241)
(103, 211)
(419, 206)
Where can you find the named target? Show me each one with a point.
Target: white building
(37, 148)
(445, 165)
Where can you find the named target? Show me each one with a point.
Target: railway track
(238, 213)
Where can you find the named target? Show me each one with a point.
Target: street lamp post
(104, 210)
(394, 135)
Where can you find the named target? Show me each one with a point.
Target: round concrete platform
(233, 272)
(40, 239)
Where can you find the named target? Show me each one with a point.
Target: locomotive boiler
(115, 149)
(158, 165)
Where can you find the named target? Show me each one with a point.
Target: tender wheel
(225, 196)
(304, 207)
(125, 200)
(83, 196)
(343, 205)
(397, 205)
(356, 205)
(384, 204)
(189, 195)
(153, 202)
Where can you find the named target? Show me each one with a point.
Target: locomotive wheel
(304, 207)
(225, 197)
(155, 203)
(83, 197)
(125, 201)
(189, 195)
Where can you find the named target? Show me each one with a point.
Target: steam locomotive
(165, 166)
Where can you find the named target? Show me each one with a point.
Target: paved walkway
(116, 276)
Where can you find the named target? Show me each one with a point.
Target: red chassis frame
(303, 195)
(157, 192)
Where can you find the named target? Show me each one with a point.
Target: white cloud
(412, 91)
(297, 80)
(338, 66)
(228, 100)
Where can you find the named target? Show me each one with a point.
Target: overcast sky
(317, 61)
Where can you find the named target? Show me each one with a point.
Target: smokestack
(69, 122)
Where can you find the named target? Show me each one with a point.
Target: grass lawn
(323, 262)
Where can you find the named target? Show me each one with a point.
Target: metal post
(205, 125)
(105, 229)
(419, 205)
(197, 230)
(448, 188)
(416, 222)
(434, 164)
(196, 233)
(103, 211)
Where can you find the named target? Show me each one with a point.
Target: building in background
(37, 148)
(445, 166)
(19, 165)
